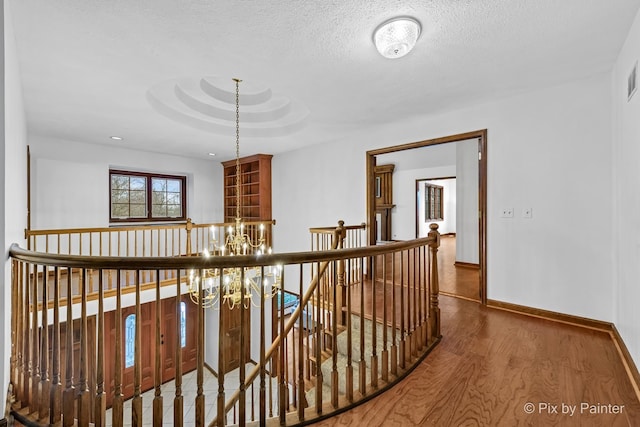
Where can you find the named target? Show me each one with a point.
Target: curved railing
(325, 356)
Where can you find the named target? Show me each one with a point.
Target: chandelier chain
(237, 147)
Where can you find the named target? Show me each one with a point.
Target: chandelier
(235, 286)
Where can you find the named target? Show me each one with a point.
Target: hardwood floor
(462, 282)
(497, 368)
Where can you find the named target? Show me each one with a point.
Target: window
(137, 196)
(183, 324)
(129, 340)
(433, 202)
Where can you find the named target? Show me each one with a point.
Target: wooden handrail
(152, 263)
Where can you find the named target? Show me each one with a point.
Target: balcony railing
(73, 360)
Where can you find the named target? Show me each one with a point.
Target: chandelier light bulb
(396, 37)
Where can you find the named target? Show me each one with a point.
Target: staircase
(342, 358)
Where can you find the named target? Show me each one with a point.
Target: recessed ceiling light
(212, 154)
(396, 37)
(116, 138)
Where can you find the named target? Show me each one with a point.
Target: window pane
(159, 198)
(159, 211)
(183, 324)
(129, 340)
(120, 196)
(119, 211)
(119, 182)
(174, 211)
(159, 184)
(138, 196)
(138, 211)
(173, 198)
(174, 185)
(138, 183)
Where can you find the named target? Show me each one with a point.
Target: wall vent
(632, 82)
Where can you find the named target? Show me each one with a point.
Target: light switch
(527, 212)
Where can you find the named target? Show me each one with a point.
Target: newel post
(435, 287)
(340, 234)
(189, 227)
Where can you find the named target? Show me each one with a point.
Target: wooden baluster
(100, 400)
(270, 388)
(136, 402)
(263, 397)
(13, 325)
(374, 326)
(283, 393)
(26, 339)
(403, 345)
(242, 387)
(349, 368)
(44, 349)
(117, 410)
(178, 400)
(334, 334)
(318, 347)
(68, 396)
(200, 356)
(416, 301)
(16, 329)
(221, 417)
(157, 398)
(394, 313)
(435, 288)
(301, 329)
(189, 227)
(423, 301)
(55, 395)
(84, 410)
(385, 353)
(362, 372)
(35, 349)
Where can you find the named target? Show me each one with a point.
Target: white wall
(548, 149)
(403, 219)
(626, 181)
(13, 186)
(467, 237)
(73, 178)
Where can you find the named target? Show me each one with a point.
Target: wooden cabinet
(255, 188)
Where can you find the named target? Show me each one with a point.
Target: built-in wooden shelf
(255, 188)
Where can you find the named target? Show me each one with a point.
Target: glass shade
(396, 38)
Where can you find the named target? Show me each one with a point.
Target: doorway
(481, 137)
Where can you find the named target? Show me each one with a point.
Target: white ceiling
(93, 68)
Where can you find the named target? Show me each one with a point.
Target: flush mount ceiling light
(116, 138)
(396, 37)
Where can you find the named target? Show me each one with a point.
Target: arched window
(183, 324)
(129, 340)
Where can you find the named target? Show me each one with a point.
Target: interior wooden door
(230, 340)
(168, 339)
(148, 348)
(169, 336)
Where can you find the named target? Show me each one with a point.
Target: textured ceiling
(95, 68)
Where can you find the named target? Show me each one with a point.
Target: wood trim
(540, 313)
(471, 265)
(583, 322)
(481, 136)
